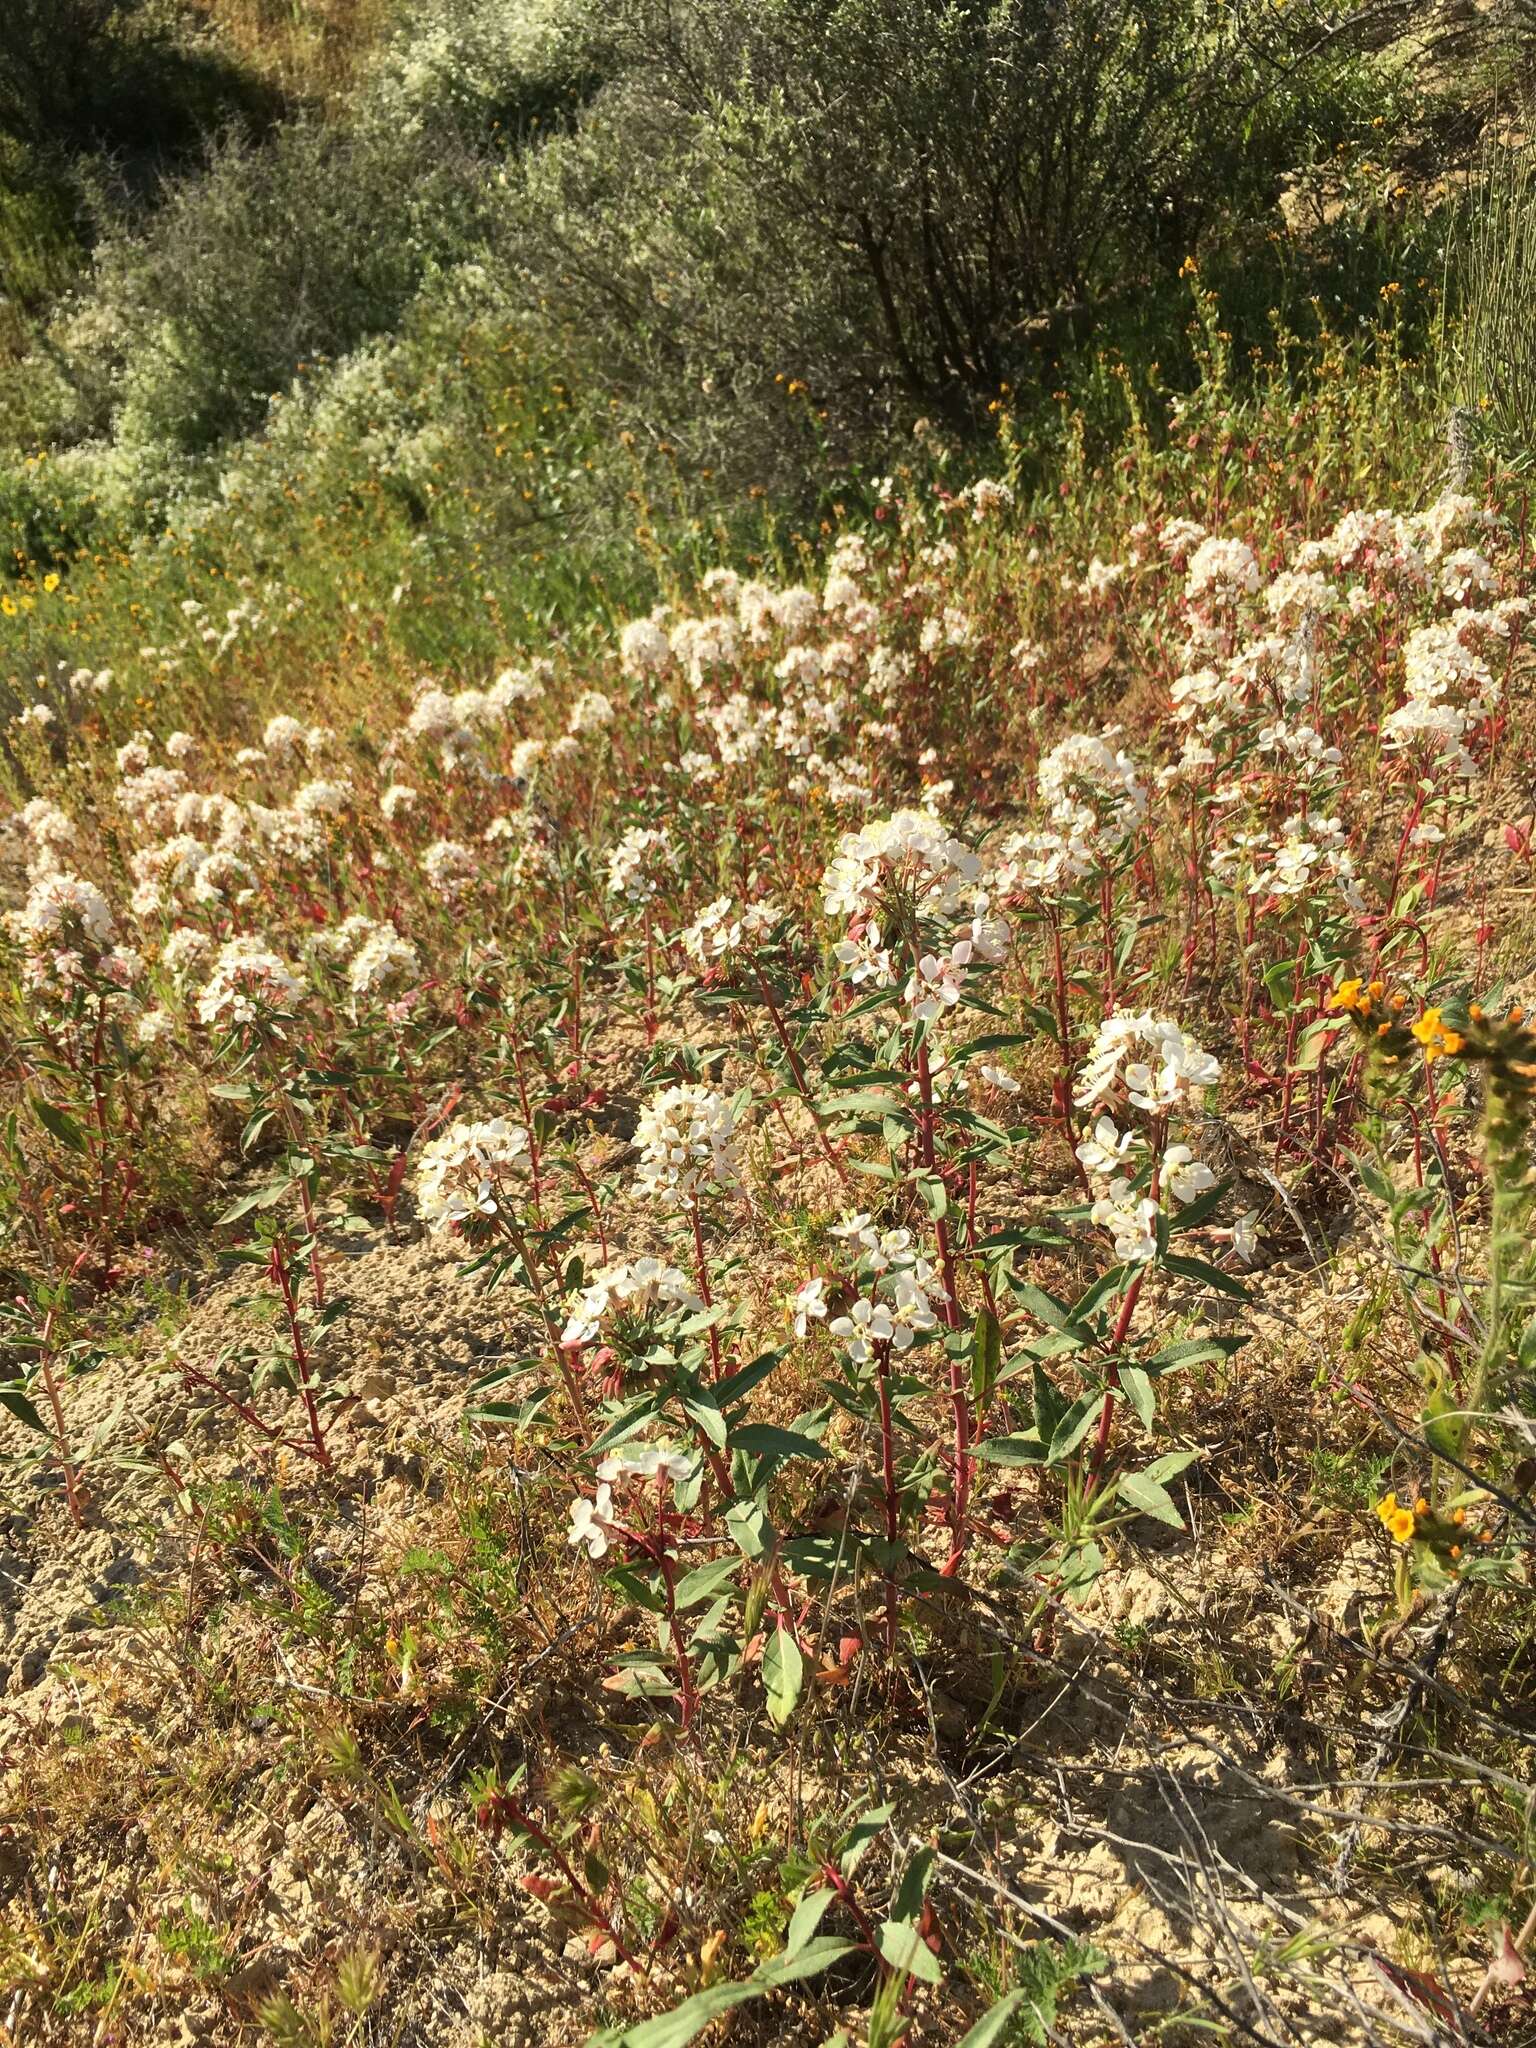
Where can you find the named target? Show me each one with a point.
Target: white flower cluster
(249, 982)
(1091, 789)
(688, 1144)
(912, 850)
(591, 712)
(1151, 1059)
(631, 1287)
(383, 960)
(59, 908)
(897, 1308)
(66, 931)
(1111, 1157)
(644, 648)
(1220, 571)
(593, 1522)
(450, 868)
(1449, 690)
(720, 928)
(987, 497)
(635, 864)
(462, 1172)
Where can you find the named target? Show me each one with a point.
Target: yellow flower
(1400, 1527)
(51, 582)
(1358, 996)
(1397, 1520)
(1438, 1040)
(8, 606)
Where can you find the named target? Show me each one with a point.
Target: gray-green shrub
(891, 199)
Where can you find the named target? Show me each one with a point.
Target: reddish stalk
(959, 1398)
(688, 1692)
(502, 1807)
(888, 1477)
(278, 1270)
(701, 1274)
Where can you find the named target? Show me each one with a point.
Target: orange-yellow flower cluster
(1359, 997)
(1437, 1038)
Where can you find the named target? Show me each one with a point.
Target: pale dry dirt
(1132, 1796)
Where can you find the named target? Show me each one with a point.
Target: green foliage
(273, 258)
(1496, 347)
(897, 207)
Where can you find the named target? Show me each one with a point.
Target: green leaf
(701, 1409)
(686, 2021)
(904, 1949)
(705, 1319)
(517, 1413)
(1075, 1425)
(866, 1829)
(862, 1103)
(266, 1197)
(1045, 1308)
(1195, 1212)
(994, 1041)
(12, 1399)
(630, 1419)
(59, 1122)
(1043, 1971)
(749, 1527)
(1442, 1417)
(768, 1440)
(1050, 1406)
(986, 1356)
(1137, 1389)
(1010, 1450)
(1021, 1239)
(1193, 1351)
(806, 1918)
(783, 1674)
(630, 1582)
(913, 1889)
(703, 1580)
(817, 1955)
(1207, 1275)
(1171, 1464)
(735, 1384)
(1108, 1283)
(1149, 1498)
(993, 2025)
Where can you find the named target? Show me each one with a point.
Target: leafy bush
(484, 69)
(892, 202)
(1497, 350)
(272, 258)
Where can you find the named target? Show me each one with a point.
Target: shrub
(1497, 350)
(889, 201)
(272, 258)
(484, 69)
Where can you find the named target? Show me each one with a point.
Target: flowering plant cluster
(873, 1121)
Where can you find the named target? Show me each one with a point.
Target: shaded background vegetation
(557, 261)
